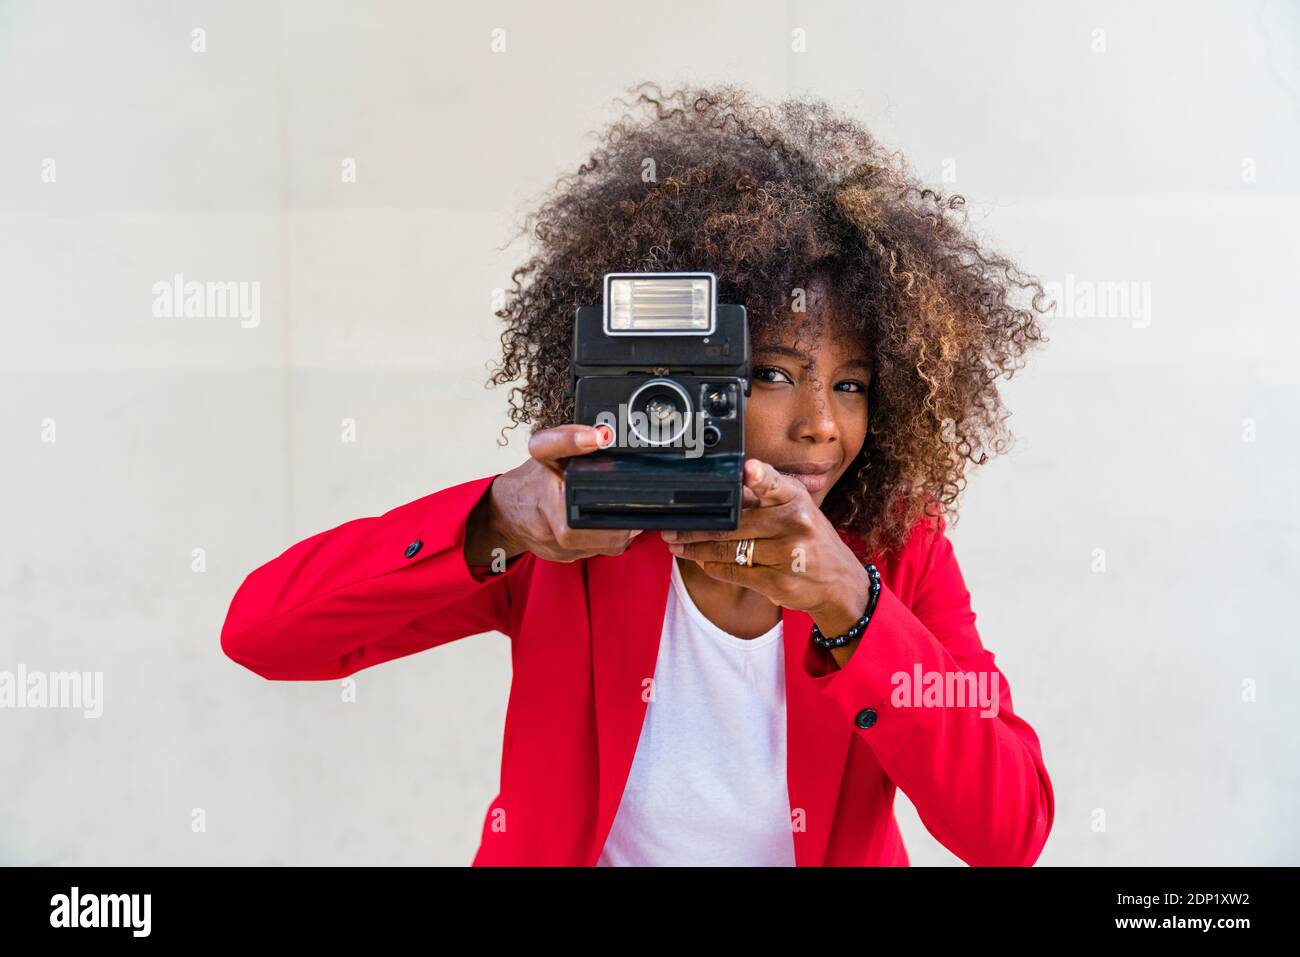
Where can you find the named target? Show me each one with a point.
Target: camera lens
(659, 412)
(717, 401)
(659, 409)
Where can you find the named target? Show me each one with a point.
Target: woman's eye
(760, 370)
(857, 387)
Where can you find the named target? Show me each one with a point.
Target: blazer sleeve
(371, 590)
(977, 779)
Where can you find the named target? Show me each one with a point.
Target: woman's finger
(550, 446)
(760, 578)
(767, 551)
(770, 486)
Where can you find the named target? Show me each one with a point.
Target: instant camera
(667, 368)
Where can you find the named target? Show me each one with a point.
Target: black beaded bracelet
(861, 626)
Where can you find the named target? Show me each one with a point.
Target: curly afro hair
(770, 199)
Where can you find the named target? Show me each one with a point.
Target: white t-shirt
(708, 781)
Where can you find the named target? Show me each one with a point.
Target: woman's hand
(524, 510)
(799, 559)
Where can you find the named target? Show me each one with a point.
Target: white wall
(1122, 165)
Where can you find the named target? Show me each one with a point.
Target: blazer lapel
(627, 595)
(817, 743)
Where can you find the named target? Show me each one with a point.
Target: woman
(669, 704)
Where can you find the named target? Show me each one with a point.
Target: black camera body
(667, 367)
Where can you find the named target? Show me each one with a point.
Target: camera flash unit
(660, 304)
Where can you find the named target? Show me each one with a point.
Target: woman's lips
(814, 482)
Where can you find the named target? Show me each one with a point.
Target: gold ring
(745, 551)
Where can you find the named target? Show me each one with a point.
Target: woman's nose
(815, 420)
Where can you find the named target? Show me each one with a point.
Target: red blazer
(584, 640)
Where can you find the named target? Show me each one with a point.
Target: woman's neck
(737, 610)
